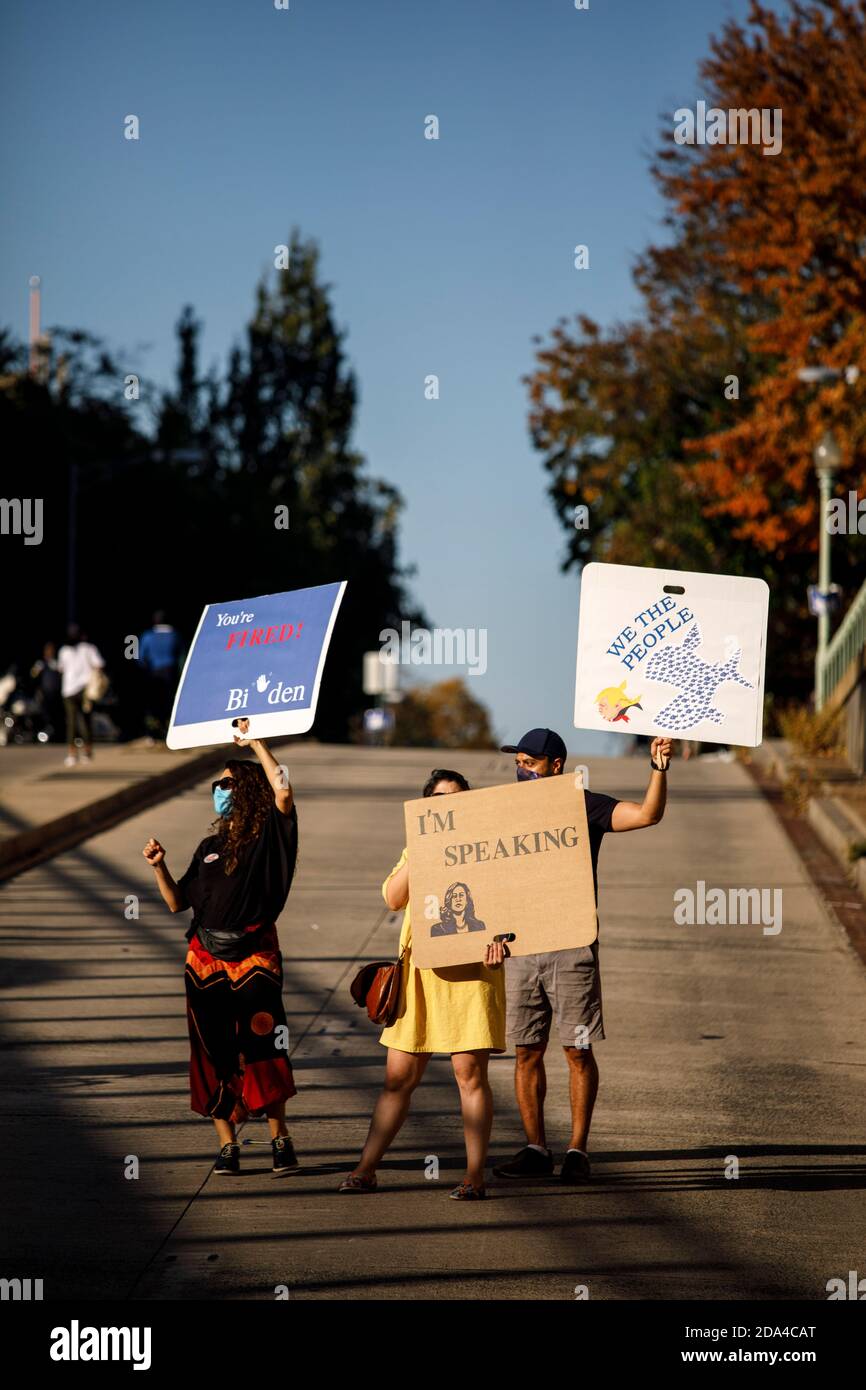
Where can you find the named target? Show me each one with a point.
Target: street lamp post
(828, 459)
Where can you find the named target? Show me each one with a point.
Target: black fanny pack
(231, 945)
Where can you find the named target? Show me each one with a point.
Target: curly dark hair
(252, 800)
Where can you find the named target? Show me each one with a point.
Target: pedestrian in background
(159, 653)
(78, 662)
(46, 673)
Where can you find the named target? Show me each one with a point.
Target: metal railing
(845, 646)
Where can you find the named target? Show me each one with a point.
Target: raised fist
(153, 852)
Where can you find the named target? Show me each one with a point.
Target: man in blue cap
(565, 986)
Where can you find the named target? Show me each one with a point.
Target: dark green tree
(175, 495)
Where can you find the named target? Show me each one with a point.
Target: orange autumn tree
(787, 231)
(445, 714)
(763, 274)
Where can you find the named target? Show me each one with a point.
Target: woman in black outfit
(237, 885)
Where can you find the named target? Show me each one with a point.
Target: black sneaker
(285, 1158)
(228, 1161)
(575, 1167)
(528, 1163)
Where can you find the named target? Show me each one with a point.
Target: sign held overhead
(670, 653)
(259, 660)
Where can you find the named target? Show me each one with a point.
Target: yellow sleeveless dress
(460, 1008)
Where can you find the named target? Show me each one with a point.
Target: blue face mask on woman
(222, 801)
(524, 775)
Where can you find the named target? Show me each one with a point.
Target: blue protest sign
(257, 659)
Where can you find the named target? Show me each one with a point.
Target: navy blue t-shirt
(599, 809)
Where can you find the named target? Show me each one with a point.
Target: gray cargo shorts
(564, 986)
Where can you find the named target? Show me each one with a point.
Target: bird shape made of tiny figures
(698, 681)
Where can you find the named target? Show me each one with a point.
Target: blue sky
(443, 256)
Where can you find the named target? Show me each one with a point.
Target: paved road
(721, 1041)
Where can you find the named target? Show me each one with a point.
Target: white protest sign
(672, 654)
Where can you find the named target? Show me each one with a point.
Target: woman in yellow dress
(459, 1009)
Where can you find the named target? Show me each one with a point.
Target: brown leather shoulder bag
(377, 985)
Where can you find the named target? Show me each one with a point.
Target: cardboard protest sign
(501, 859)
(260, 659)
(670, 653)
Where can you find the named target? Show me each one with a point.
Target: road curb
(829, 874)
(30, 847)
(840, 830)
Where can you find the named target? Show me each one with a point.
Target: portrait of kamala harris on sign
(458, 913)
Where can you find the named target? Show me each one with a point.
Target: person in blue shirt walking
(159, 653)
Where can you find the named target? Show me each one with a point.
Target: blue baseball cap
(539, 743)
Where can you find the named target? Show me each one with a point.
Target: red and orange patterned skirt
(237, 1030)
